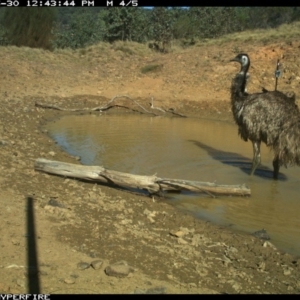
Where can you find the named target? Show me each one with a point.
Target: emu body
(268, 117)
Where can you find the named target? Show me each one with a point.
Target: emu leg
(256, 156)
(276, 167)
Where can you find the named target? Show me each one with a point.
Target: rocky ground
(98, 239)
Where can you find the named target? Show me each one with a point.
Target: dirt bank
(161, 250)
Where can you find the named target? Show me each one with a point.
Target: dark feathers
(269, 117)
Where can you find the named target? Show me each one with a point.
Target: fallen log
(152, 184)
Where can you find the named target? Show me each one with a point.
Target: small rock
(55, 203)
(52, 153)
(262, 234)
(232, 249)
(176, 233)
(182, 241)
(83, 265)
(69, 281)
(96, 264)
(186, 230)
(15, 242)
(287, 272)
(236, 286)
(262, 266)
(3, 143)
(149, 213)
(20, 283)
(226, 260)
(269, 244)
(120, 269)
(171, 277)
(151, 219)
(94, 254)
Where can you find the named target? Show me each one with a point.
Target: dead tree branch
(152, 184)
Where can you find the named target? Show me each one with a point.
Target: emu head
(244, 60)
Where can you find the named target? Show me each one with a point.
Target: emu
(269, 117)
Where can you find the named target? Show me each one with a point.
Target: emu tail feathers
(287, 147)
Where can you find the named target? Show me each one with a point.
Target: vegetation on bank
(161, 28)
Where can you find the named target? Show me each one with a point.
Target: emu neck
(238, 88)
(244, 69)
(243, 80)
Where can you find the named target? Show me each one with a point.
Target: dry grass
(131, 48)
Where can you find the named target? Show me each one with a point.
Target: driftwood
(152, 184)
(109, 105)
(170, 110)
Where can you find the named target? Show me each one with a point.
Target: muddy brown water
(192, 149)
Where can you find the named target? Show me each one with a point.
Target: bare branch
(152, 184)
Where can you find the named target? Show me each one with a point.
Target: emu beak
(235, 59)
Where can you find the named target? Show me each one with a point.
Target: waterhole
(192, 149)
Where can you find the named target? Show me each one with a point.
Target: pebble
(96, 264)
(262, 266)
(176, 233)
(171, 277)
(55, 203)
(269, 244)
(236, 287)
(20, 283)
(69, 281)
(15, 242)
(149, 214)
(3, 143)
(120, 269)
(94, 254)
(262, 234)
(233, 250)
(52, 153)
(83, 265)
(182, 241)
(287, 272)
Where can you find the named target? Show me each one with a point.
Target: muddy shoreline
(164, 250)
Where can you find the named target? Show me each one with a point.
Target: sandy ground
(97, 239)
